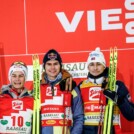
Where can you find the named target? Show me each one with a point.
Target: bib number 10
(17, 121)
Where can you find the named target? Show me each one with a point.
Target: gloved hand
(66, 84)
(104, 83)
(119, 95)
(111, 95)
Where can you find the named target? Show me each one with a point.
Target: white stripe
(25, 25)
(77, 69)
(71, 52)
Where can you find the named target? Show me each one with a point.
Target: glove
(119, 95)
(65, 83)
(62, 85)
(104, 83)
(112, 95)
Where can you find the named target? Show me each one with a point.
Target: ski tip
(35, 56)
(113, 49)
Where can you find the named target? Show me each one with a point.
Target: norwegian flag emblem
(93, 58)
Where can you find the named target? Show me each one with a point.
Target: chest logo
(17, 105)
(94, 93)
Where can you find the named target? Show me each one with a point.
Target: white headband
(17, 67)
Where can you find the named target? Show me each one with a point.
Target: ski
(108, 115)
(36, 93)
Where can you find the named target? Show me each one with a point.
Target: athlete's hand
(112, 95)
(67, 84)
(118, 95)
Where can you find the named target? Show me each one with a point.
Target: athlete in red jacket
(61, 104)
(16, 104)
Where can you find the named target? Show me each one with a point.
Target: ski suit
(15, 111)
(61, 111)
(91, 93)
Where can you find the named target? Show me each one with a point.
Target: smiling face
(52, 69)
(95, 68)
(17, 80)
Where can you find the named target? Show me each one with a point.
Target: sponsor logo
(93, 107)
(51, 108)
(28, 124)
(50, 122)
(77, 69)
(63, 122)
(110, 20)
(92, 117)
(52, 116)
(94, 93)
(3, 122)
(21, 130)
(17, 105)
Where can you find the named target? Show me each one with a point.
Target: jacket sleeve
(77, 110)
(125, 105)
